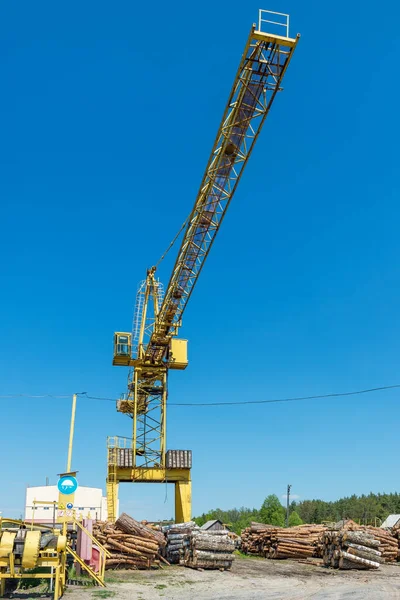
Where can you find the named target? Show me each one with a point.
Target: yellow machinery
(153, 348)
(25, 547)
(22, 550)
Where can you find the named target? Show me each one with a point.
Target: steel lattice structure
(258, 79)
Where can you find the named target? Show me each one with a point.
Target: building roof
(210, 524)
(391, 521)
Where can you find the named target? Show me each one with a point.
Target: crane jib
(258, 80)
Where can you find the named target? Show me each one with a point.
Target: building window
(46, 508)
(92, 508)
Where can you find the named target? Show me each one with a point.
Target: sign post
(67, 486)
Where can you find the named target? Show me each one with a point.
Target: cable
(294, 399)
(173, 241)
(36, 396)
(240, 402)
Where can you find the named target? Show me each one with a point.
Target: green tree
(294, 519)
(272, 511)
(237, 518)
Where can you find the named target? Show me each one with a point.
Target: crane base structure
(120, 470)
(154, 348)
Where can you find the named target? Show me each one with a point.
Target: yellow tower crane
(154, 348)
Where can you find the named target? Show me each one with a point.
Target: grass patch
(103, 594)
(41, 584)
(160, 586)
(240, 554)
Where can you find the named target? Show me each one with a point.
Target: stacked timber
(302, 541)
(178, 537)
(208, 550)
(395, 531)
(346, 549)
(132, 545)
(256, 539)
(389, 545)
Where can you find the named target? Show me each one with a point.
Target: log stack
(389, 545)
(346, 549)
(302, 541)
(132, 544)
(395, 531)
(208, 550)
(178, 536)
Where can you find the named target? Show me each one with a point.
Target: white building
(88, 501)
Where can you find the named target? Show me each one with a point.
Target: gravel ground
(249, 579)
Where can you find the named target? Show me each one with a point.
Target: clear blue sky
(107, 114)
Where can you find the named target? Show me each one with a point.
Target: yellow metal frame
(55, 559)
(262, 67)
(46, 558)
(181, 478)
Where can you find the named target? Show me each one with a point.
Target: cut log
(129, 525)
(364, 549)
(207, 542)
(218, 556)
(359, 560)
(361, 538)
(347, 564)
(367, 555)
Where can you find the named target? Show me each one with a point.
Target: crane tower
(154, 348)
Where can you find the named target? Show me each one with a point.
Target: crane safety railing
(270, 17)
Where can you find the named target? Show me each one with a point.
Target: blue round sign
(70, 505)
(67, 485)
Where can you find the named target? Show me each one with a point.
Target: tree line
(371, 509)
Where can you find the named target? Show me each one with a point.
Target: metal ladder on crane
(112, 483)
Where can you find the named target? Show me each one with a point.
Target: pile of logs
(133, 545)
(396, 534)
(388, 542)
(208, 550)
(178, 536)
(277, 542)
(346, 549)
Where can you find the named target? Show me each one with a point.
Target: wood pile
(396, 534)
(389, 545)
(348, 549)
(133, 545)
(178, 536)
(277, 542)
(208, 550)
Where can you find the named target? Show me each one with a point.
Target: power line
(36, 396)
(84, 395)
(272, 401)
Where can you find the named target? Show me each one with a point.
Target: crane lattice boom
(156, 349)
(258, 79)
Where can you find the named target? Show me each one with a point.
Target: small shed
(391, 521)
(214, 525)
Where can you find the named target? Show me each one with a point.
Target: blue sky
(108, 114)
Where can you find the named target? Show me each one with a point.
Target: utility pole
(71, 433)
(287, 505)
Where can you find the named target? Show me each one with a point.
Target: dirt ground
(249, 579)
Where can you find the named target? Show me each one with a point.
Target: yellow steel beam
(275, 39)
(183, 501)
(152, 475)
